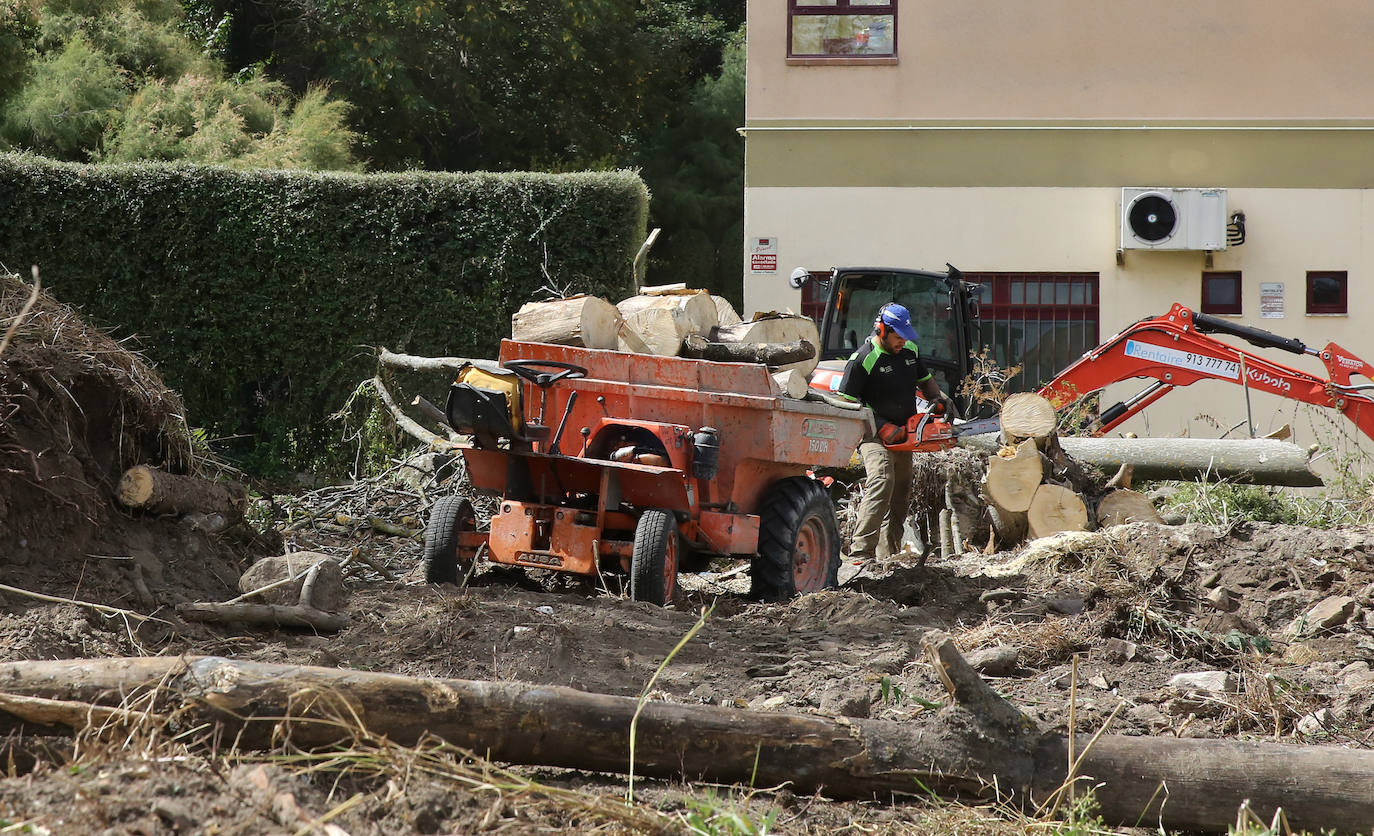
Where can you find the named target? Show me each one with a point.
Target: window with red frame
(1221, 293)
(842, 28)
(1326, 292)
(1041, 322)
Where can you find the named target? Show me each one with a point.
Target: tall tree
(119, 80)
(485, 84)
(694, 166)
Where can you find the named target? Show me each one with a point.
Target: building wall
(1002, 137)
(1083, 59)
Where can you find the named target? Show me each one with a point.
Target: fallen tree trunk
(269, 615)
(1245, 461)
(150, 489)
(968, 750)
(698, 347)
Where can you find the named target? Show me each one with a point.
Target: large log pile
(675, 321)
(1034, 489)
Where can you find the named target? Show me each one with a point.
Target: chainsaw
(931, 430)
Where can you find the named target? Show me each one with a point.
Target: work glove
(891, 434)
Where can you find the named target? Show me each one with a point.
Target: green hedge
(260, 294)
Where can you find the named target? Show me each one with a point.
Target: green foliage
(73, 95)
(694, 166)
(248, 124)
(1225, 503)
(716, 816)
(18, 35)
(259, 295)
(120, 80)
(1082, 819)
(464, 85)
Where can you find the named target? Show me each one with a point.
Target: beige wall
(1084, 59)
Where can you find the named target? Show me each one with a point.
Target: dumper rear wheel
(444, 561)
(653, 562)
(799, 542)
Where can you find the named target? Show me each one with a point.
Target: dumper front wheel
(653, 563)
(799, 542)
(445, 560)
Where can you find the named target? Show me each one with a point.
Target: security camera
(798, 278)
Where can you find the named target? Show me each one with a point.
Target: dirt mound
(77, 408)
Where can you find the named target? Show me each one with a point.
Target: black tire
(653, 563)
(444, 562)
(799, 542)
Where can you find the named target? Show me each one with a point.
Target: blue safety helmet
(898, 318)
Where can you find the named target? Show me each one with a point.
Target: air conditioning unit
(1173, 219)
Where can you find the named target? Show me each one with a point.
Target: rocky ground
(1249, 631)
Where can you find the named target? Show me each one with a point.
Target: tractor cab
(944, 311)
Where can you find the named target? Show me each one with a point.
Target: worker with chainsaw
(885, 374)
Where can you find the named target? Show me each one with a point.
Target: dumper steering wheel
(528, 369)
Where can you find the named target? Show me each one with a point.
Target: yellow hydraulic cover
(501, 383)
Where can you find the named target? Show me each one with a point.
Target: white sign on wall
(763, 255)
(1271, 300)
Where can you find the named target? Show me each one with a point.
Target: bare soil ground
(1284, 614)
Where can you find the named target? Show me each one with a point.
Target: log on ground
(1255, 461)
(1014, 474)
(966, 749)
(1124, 505)
(1053, 509)
(150, 489)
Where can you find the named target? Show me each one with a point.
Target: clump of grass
(1224, 504)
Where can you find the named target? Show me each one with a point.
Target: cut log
(662, 321)
(1027, 415)
(587, 321)
(967, 749)
(1126, 506)
(774, 328)
(1255, 461)
(791, 384)
(1054, 509)
(149, 489)
(1014, 474)
(271, 615)
(725, 312)
(771, 354)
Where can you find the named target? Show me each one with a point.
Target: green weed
(716, 816)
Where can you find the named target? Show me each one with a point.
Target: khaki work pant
(886, 501)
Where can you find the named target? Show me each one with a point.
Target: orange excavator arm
(1175, 350)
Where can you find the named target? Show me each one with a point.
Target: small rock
(1149, 714)
(1328, 614)
(846, 705)
(1001, 660)
(768, 702)
(1209, 580)
(1356, 676)
(327, 593)
(1317, 724)
(175, 814)
(1100, 681)
(1066, 604)
(1119, 651)
(1214, 682)
(1222, 599)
